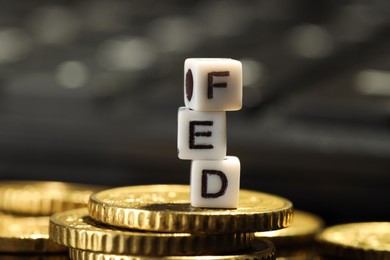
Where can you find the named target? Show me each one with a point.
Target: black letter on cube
(193, 134)
(212, 85)
(221, 175)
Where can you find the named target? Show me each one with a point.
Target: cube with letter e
(201, 135)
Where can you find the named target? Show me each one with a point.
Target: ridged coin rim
(166, 217)
(264, 250)
(75, 229)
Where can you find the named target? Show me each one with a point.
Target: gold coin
(302, 231)
(167, 208)
(261, 250)
(43, 198)
(26, 234)
(76, 229)
(369, 240)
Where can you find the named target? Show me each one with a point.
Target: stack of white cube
(212, 87)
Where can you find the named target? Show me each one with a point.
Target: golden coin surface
(261, 250)
(26, 234)
(43, 198)
(367, 240)
(76, 229)
(302, 231)
(167, 208)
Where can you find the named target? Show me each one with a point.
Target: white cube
(215, 184)
(213, 84)
(201, 135)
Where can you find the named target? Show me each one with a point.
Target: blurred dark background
(89, 92)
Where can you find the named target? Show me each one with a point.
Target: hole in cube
(189, 84)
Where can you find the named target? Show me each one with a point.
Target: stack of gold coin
(25, 209)
(298, 240)
(358, 241)
(157, 221)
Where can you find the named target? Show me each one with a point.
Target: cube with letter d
(201, 135)
(215, 184)
(213, 84)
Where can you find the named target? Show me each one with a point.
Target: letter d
(224, 184)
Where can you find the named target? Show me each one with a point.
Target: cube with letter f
(213, 84)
